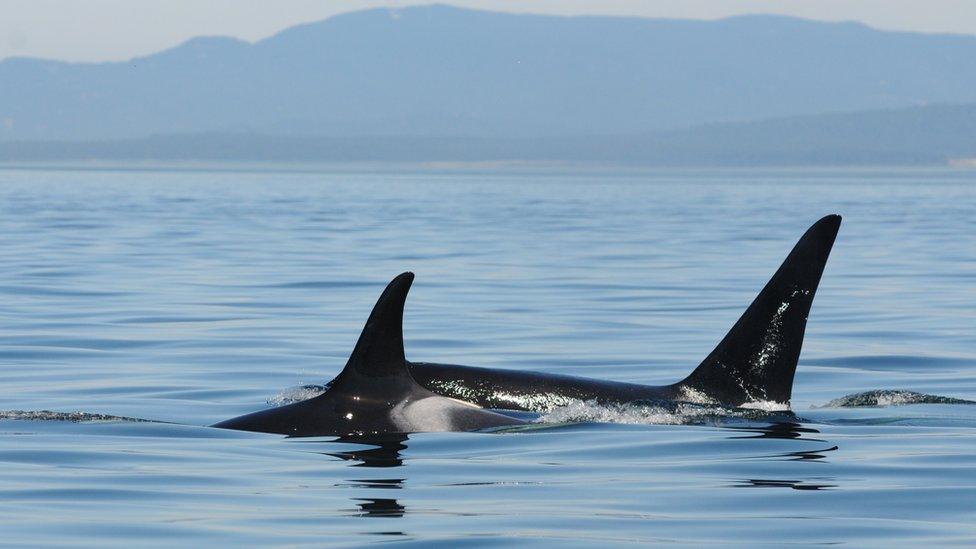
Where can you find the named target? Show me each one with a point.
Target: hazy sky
(95, 30)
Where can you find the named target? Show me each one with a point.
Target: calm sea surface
(187, 297)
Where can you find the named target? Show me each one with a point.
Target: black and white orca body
(754, 363)
(375, 392)
(378, 391)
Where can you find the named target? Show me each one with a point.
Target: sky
(103, 30)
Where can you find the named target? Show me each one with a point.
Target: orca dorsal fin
(379, 351)
(757, 359)
(375, 393)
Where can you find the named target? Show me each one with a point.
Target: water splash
(74, 417)
(891, 397)
(652, 412)
(694, 396)
(296, 394)
(766, 406)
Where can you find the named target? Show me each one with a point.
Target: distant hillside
(920, 135)
(915, 136)
(439, 71)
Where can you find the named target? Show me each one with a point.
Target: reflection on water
(794, 484)
(380, 507)
(394, 483)
(384, 453)
(384, 450)
(809, 454)
(785, 430)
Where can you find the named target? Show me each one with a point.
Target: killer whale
(375, 392)
(755, 361)
(379, 391)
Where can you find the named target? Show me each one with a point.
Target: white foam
(897, 398)
(74, 417)
(655, 413)
(296, 394)
(767, 406)
(891, 397)
(536, 401)
(690, 394)
(590, 411)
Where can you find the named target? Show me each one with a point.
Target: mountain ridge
(917, 136)
(443, 71)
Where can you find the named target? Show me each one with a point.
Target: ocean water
(189, 296)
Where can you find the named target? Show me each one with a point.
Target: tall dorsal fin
(379, 351)
(757, 358)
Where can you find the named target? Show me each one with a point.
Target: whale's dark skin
(531, 391)
(755, 362)
(374, 393)
(379, 391)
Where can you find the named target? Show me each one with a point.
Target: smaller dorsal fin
(375, 393)
(379, 351)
